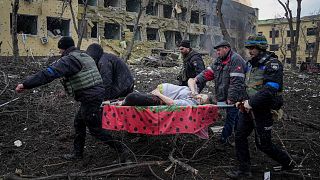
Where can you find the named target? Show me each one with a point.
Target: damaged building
(110, 23)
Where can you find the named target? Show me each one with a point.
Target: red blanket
(158, 120)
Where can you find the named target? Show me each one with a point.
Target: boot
(72, 156)
(239, 174)
(124, 156)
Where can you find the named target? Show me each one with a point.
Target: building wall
(240, 20)
(283, 39)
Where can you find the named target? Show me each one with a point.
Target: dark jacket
(265, 80)
(66, 66)
(116, 76)
(228, 74)
(192, 66)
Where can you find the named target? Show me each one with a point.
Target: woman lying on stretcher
(168, 94)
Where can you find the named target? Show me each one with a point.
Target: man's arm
(193, 86)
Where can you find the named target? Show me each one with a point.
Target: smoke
(245, 2)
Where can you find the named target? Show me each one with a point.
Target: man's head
(256, 44)
(222, 48)
(95, 51)
(204, 99)
(65, 43)
(184, 47)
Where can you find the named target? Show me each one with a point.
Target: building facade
(110, 22)
(278, 35)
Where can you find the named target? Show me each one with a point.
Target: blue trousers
(262, 127)
(230, 123)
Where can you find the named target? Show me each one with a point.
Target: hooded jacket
(117, 78)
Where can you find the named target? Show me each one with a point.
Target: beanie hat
(65, 42)
(257, 40)
(185, 43)
(95, 51)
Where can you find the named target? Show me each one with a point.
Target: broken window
(310, 47)
(170, 40)
(177, 38)
(152, 9)
(111, 3)
(137, 36)
(90, 2)
(167, 11)
(288, 33)
(311, 31)
(112, 31)
(204, 19)
(194, 40)
(194, 17)
(26, 24)
(58, 26)
(276, 34)
(152, 34)
(94, 29)
(133, 5)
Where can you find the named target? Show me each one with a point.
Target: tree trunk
(294, 37)
(316, 46)
(296, 42)
(73, 17)
(83, 24)
(223, 28)
(184, 35)
(14, 33)
(143, 4)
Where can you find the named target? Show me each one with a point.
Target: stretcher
(160, 120)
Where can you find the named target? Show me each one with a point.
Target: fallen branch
(185, 166)
(307, 123)
(99, 173)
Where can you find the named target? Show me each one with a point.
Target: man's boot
(72, 156)
(239, 174)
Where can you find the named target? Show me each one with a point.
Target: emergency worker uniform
(82, 80)
(228, 74)
(264, 80)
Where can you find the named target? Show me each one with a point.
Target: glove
(247, 105)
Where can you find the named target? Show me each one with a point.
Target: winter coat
(228, 74)
(66, 66)
(192, 66)
(116, 76)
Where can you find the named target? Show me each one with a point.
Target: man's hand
(20, 88)
(247, 105)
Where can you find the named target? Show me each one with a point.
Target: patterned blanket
(160, 120)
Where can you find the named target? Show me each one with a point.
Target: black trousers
(263, 140)
(142, 99)
(89, 115)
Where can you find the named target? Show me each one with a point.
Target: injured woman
(169, 94)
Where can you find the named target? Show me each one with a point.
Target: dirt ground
(42, 120)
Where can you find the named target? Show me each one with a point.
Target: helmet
(257, 40)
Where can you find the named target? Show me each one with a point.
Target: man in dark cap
(81, 80)
(228, 73)
(192, 63)
(116, 76)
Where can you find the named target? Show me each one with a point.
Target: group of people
(253, 86)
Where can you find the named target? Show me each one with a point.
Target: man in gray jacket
(228, 73)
